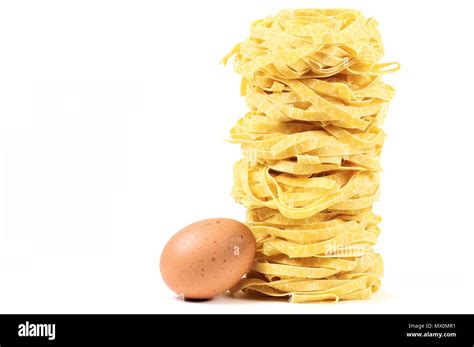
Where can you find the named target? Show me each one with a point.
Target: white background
(113, 121)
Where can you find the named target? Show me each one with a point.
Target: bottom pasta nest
(326, 257)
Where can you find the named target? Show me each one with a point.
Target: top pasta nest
(311, 43)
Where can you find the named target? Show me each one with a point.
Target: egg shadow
(196, 300)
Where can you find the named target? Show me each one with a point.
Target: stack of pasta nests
(311, 146)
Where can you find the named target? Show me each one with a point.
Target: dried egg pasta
(311, 145)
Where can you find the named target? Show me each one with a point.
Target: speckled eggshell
(207, 258)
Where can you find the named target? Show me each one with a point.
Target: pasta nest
(311, 144)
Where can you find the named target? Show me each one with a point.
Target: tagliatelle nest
(311, 144)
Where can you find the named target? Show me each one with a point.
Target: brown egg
(207, 257)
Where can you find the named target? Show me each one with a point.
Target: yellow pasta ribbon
(311, 145)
